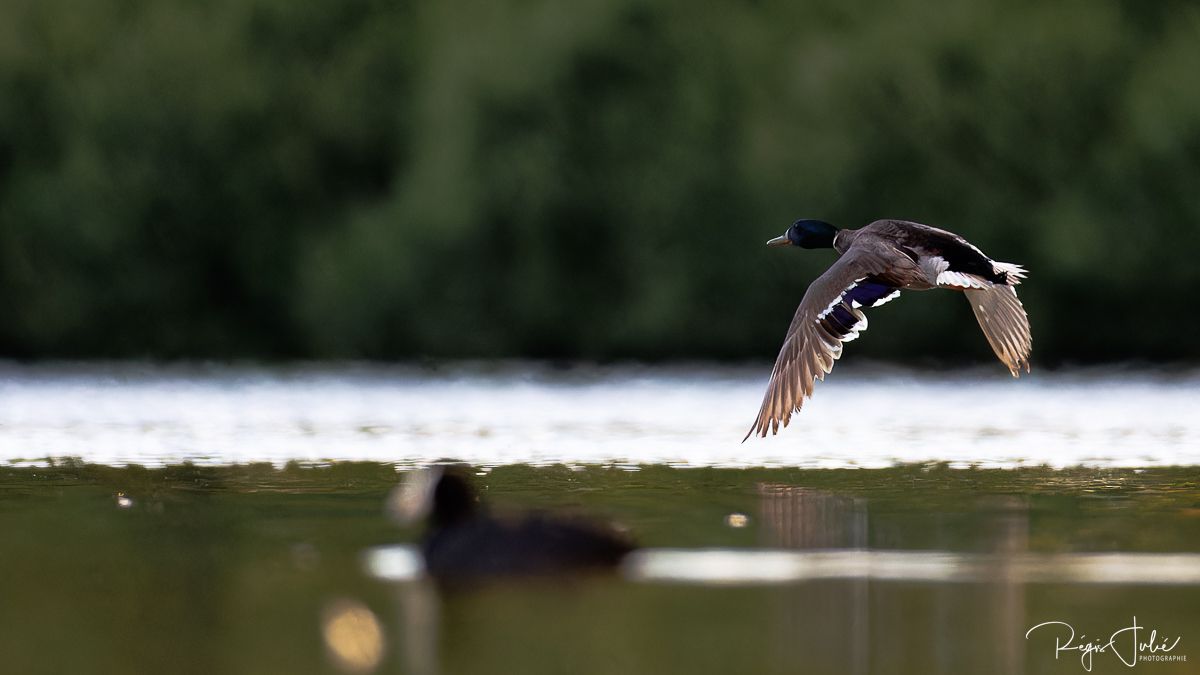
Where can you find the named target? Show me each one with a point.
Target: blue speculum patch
(867, 293)
(840, 320)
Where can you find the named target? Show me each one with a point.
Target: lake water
(488, 414)
(233, 520)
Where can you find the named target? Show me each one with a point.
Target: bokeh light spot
(353, 636)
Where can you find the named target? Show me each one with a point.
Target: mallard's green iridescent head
(807, 234)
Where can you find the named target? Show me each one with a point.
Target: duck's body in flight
(877, 262)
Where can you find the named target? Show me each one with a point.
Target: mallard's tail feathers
(1014, 272)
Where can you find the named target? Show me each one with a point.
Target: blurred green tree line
(595, 179)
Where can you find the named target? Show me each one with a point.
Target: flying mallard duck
(876, 263)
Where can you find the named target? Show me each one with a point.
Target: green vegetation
(261, 178)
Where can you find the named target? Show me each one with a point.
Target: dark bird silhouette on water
(464, 542)
(877, 262)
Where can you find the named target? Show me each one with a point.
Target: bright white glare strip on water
(508, 413)
(395, 563)
(730, 566)
(717, 567)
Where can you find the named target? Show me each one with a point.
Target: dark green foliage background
(265, 178)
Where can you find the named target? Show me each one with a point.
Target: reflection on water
(419, 619)
(907, 570)
(800, 517)
(527, 413)
(837, 606)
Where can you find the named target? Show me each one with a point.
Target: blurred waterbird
(877, 262)
(463, 542)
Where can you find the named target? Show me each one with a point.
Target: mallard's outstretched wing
(1004, 324)
(829, 316)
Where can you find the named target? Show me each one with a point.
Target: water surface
(488, 414)
(253, 568)
(231, 519)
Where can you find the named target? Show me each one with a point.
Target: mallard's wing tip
(757, 429)
(1005, 324)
